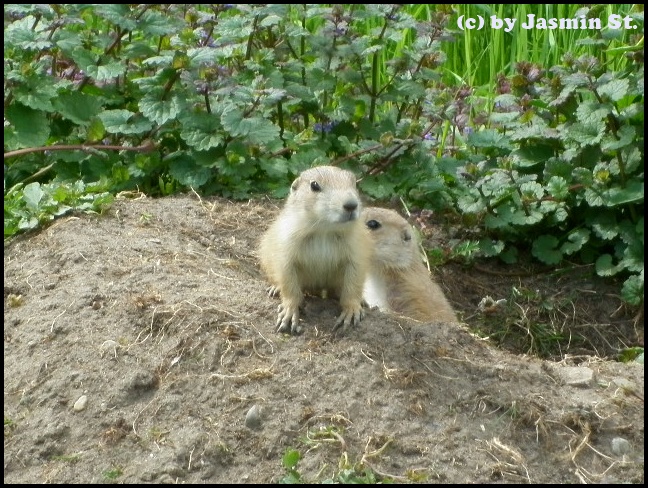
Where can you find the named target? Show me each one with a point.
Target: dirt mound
(140, 347)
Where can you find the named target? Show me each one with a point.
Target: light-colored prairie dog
(318, 243)
(397, 280)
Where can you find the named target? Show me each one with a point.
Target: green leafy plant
(112, 474)
(543, 157)
(29, 206)
(529, 321)
(345, 475)
(67, 458)
(9, 426)
(562, 167)
(289, 460)
(360, 472)
(630, 354)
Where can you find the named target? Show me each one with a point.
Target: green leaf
(557, 187)
(565, 95)
(188, 173)
(576, 240)
(469, 203)
(160, 111)
(510, 255)
(96, 130)
(489, 138)
(503, 117)
(633, 290)
(493, 221)
(585, 134)
(68, 41)
(158, 24)
(615, 90)
(306, 158)
(605, 267)
(377, 188)
(634, 158)
(26, 34)
(604, 225)
(202, 55)
(37, 93)
(180, 61)
(517, 216)
(410, 89)
(490, 248)
(535, 131)
(27, 223)
(84, 58)
(594, 198)
(558, 167)
(106, 72)
(623, 138)
(529, 156)
(639, 230)
(138, 50)
(290, 458)
(545, 249)
(633, 257)
(202, 131)
(275, 168)
(163, 60)
(270, 20)
(532, 190)
(118, 14)
(258, 130)
(577, 80)
(31, 128)
(630, 353)
(633, 192)
(33, 194)
(118, 122)
(78, 107)
(592, 113)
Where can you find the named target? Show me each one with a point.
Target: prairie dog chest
(325, 252)
(375, 291)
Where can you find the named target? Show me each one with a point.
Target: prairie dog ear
(295, 184)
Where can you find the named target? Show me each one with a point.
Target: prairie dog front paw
(288, 319)
(351, 315)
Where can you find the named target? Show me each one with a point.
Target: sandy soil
(139, 346)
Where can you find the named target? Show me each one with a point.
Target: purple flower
(324, 127)
(430, 137)
(340, 31)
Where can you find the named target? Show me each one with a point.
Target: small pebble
(253, 417)
(81, 403)
(110, 347)
(620, 446)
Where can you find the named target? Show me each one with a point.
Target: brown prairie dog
(318, 242)
(397, 280)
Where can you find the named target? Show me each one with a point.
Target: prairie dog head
(395, 244)
(326, 195)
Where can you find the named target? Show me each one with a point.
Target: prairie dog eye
(407, 235)
(374, 224)
(315, 186)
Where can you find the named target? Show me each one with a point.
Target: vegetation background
(530, 141)
(527, 145)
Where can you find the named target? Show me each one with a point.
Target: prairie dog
(318, 243)
(397, 280)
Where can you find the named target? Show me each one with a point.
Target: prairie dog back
(318, 242)
(397, 280)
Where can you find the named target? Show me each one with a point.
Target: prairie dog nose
(350, 205)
